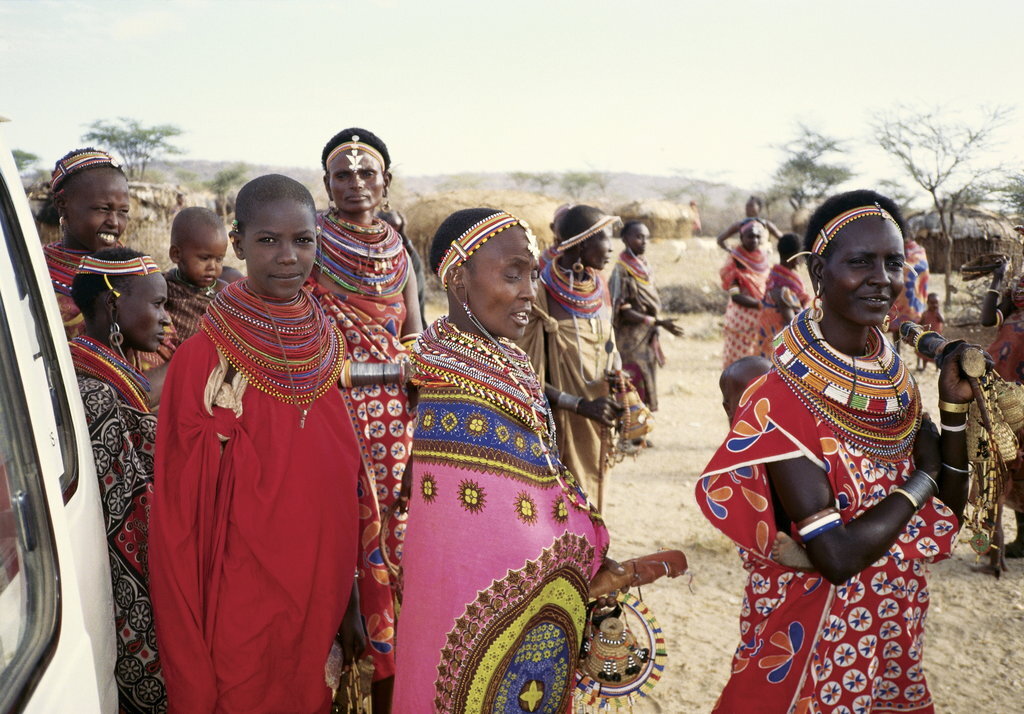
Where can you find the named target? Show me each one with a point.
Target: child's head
(736, 378)
(198, 245)
(933, 301)
(275, 234)
(789, 245)
(752, 233)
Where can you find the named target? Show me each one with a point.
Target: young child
(253, 539)
(198, 245)
(932, 319)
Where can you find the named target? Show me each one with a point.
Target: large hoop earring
(816, 313)
(578, 266)
(387, 201)
(885, 323)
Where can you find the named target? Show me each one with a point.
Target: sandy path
(975, 625)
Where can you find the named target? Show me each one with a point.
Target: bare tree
(1011, 194)
(804, 176)
(943, 156)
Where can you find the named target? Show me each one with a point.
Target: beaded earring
(816, 313)
(578, 266)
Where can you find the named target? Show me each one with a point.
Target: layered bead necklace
(62, 263)
(367, 260)
(636, 266)
(95, 359)
(872, 400)
(580, 298)
(287, 349)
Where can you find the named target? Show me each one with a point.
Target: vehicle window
(29, 577)
(28, 562)
(16, 246)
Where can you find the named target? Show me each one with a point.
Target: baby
(199, 242)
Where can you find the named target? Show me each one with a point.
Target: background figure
(744, 276)
(753, 209)
(572, 346)
(635, 308)
(90, 193)
(784, 294)
(830, 448)
(736, 378)
(912, 301)
(254, 527)
(931, 319)
(365, 282)
(121, 296)
(494, 516)
(199, 243)
(396, 220)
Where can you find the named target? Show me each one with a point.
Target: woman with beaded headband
(90, 194)
(364, 281)
(572, 346)
(744, 277)
(829, 448)
(254, 540)
(494, 515)
(121, 295)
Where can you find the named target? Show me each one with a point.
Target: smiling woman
(829, 448)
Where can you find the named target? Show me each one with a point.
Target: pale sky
(706, 88)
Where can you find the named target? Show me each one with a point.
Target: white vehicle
(56, 621)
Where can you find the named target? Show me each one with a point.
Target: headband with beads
(91, 265)
(79, 161)
(829, 231)
(601, 224)
(478, 234)
(354, 147)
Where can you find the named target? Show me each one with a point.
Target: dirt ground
(975, 629)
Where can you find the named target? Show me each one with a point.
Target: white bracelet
(958, 427)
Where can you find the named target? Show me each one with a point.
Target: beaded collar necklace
(174, 275)
(872, 400)
(367, 260)
(497, 371)
(63, 264)
(753, 261)
(580, 298)
(636, 266)
(287, 349)
(97, 360)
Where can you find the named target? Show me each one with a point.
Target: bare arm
(413, 319)
(730, 231)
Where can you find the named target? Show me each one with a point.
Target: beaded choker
(97, 360)
(62, 264)
(872, 400)
(287, 349)
(580, 298)
(636, 266)
(367, 260)
(174, 275)
(498, 372)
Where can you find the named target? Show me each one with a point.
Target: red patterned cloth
(749, 272)
(807, 645)
(384, 425)
(914, 299)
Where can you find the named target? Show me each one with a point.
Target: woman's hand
(927, 448)
(607, 581)
(954, 387)
(604, 410)
(351, 634)
(670, 325)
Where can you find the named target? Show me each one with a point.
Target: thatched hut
(425, 214)
(665, 219)
(975, 232)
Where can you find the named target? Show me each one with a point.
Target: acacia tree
(224, 181)
(804, 177)
(136, 144)
(943, 156)
(1011, 194)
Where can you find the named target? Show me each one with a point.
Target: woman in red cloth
(90, 193)
(784, 294)
(743, 277)
(253, 541)
(122, 296)
(829, 448)
(364, 281)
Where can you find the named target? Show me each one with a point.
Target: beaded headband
(829, 231)
(79, 161)
(354, 147)
(478, 234)
(601, 224)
